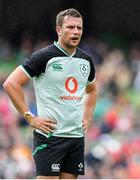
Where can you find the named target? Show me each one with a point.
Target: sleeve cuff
(90, 82)
(24, 70)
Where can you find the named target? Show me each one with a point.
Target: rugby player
(66, 91)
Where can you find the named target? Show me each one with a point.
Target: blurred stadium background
(112, 37)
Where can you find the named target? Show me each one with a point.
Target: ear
(58, 30)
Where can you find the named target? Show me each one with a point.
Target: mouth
(75, 38)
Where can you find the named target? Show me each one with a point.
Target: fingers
(85, 127)
(48, 125)
(50, 121)
(46, 129)
(51, 125)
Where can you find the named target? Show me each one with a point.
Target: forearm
(90, 101)
(89, 105)
(16, 95)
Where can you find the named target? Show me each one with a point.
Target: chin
(74, 45)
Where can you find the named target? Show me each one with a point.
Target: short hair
(68, 12)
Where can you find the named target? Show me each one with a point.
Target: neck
(69, 50)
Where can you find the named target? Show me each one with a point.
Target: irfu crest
(84, 69)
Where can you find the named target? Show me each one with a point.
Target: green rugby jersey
(60, 80)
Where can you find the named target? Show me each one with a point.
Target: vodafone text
(70, 98)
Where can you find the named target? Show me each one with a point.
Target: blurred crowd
(113, 139)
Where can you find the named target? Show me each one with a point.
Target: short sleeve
(91, 77)
(35, 64)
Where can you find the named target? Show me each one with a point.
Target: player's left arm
(89, 104)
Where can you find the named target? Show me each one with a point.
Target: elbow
(7, 85)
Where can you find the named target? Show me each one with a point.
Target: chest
(61, 68)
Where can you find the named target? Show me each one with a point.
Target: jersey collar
(63, 50)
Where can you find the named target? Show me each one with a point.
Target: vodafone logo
(71, 85)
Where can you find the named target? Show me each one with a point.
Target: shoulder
(37, 62)
(83, 54)
(46, 52)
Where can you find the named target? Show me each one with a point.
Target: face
(69, 34)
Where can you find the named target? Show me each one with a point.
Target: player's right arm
(14, 88)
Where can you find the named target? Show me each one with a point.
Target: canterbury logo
(57, 67)
(55, 167)
(71, 85)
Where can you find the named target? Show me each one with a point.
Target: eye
(70, 27)
(80, 28)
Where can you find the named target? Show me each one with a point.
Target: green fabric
(38, 148)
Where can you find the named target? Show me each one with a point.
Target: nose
(76, 30)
